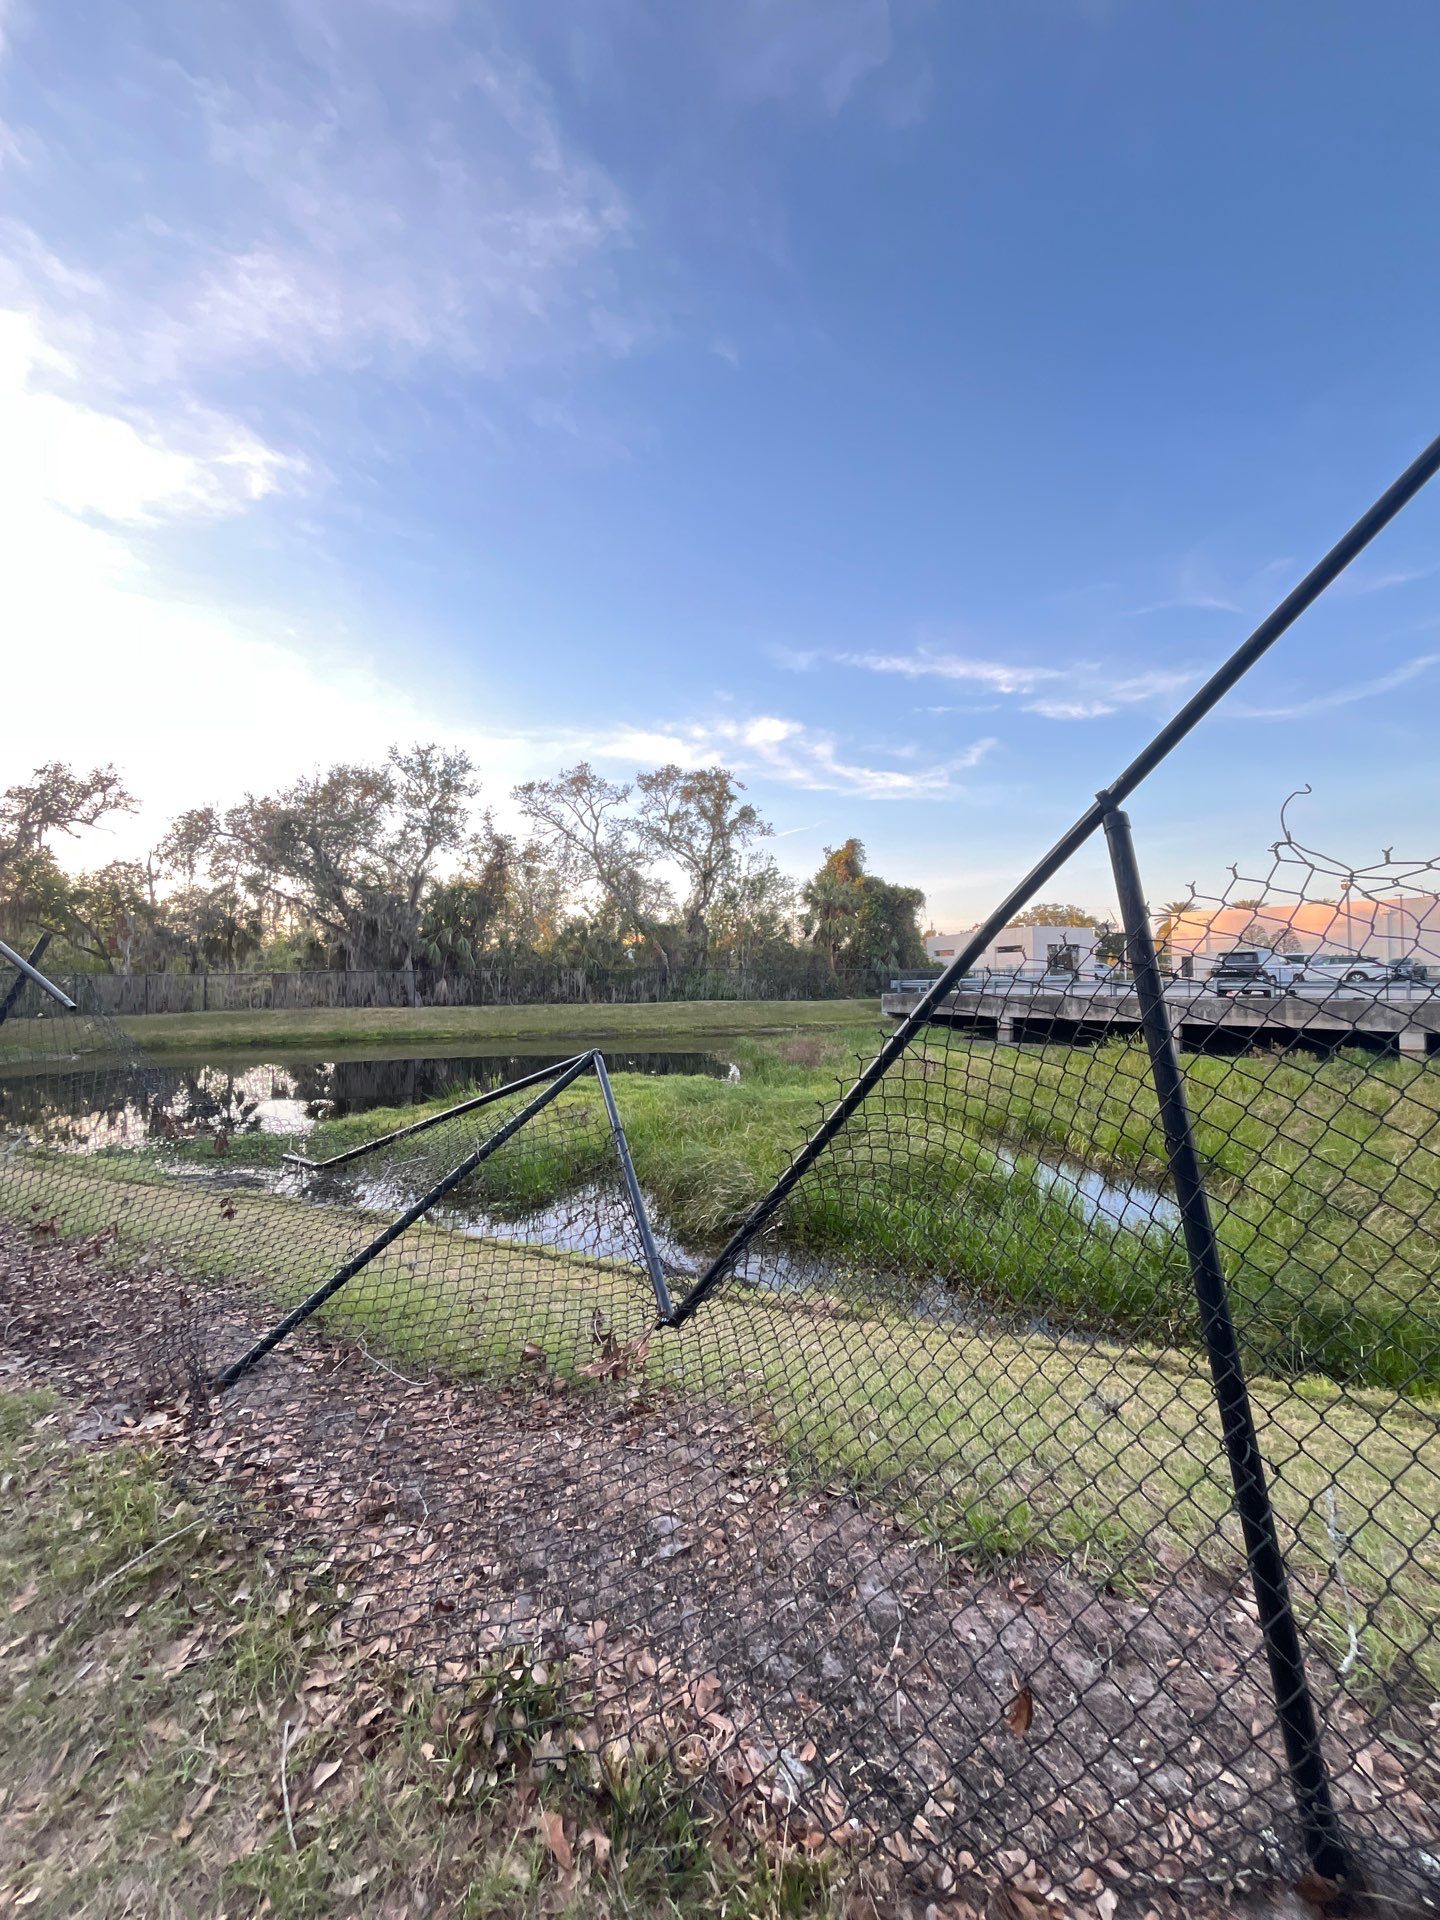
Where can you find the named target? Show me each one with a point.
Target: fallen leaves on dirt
(634, 1575)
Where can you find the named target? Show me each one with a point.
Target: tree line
(397, 866)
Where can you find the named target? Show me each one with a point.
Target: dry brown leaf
(598, 1843)
(1020, 1712)
(326, 1770)
(1006, 1903)
(552, 1829)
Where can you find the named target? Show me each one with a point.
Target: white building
(1033, 949)
(1400, 927)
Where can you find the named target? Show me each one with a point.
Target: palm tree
(830, 903)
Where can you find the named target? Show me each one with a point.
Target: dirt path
(792, 1649)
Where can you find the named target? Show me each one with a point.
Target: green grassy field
(1324, 1174)
(675, 1023)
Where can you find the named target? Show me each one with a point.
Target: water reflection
(101, 1105)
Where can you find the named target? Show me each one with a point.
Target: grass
(662, 1024)
(1324, 1174)
(993, 1442)
(153, 1663)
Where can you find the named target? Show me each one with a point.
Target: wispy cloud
(773, 747)
(1082, 690)
(1358, 582)
(467, 227)
(1197, 589)
(817, 51)
(1000, 676)
(66, 457)
(315, 217)
(1342, 696)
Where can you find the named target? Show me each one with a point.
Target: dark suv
(1253, 970)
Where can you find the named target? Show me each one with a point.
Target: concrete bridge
(1394, 1018)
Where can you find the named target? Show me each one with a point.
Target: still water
(99, 1106)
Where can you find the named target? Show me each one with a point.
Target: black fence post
(37, 954)
(1295, 1707)
(654, 1265)
(313, 1302)
(475, 1101)
(1416, 475)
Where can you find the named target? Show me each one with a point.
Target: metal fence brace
(555, 1080)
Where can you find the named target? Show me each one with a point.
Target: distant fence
(141, 993)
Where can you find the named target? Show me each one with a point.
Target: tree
(121, 916)
(351, 852)
(886, 933)
(697, 820)
(214, 926)
(35, 890)
(1055, 913)
(600, 846)
(1272, 933)
(57, 800)
(754, 914)
(831, 899)
(857, 917)
(215, 919)
(1110, 947)
(463, 916)
(535, 897)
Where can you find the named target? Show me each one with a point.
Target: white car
(1349, 969)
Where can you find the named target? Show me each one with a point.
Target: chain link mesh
(920, 1534)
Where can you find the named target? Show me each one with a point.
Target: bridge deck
(1407, 1019)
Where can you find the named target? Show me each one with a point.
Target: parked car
(1357, 969)
(1256, 971)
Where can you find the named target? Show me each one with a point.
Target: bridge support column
(1414, 1042)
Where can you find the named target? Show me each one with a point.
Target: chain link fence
(1038, 1477)
(937, 1523)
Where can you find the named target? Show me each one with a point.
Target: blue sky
(905, 404)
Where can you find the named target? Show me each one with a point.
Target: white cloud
(1070, 709)
(353, 188)
(198, 701)
(1342, 696)
(999, 676)
(769, 746)
(1357, 580)
(467, 227)
(1083, 690)
(107, 661)
(1198, 589)
(59, 454)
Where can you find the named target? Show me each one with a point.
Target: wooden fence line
(316, 990)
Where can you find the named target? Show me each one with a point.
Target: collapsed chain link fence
(1043, 1473)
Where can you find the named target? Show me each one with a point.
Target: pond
(97, 1106)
